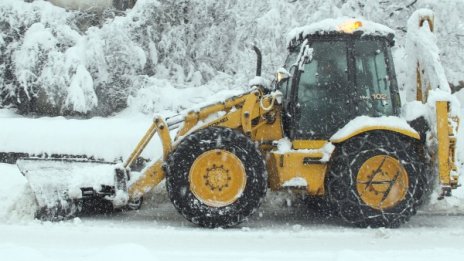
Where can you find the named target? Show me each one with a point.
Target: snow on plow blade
(60, 185)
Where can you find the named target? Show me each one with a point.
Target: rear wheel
(377, 179)
(216, 177)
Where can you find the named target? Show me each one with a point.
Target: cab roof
(340, 26)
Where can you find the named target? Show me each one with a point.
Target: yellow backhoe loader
(329, 125)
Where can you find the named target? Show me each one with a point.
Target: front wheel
(216, 177)
(377, 179)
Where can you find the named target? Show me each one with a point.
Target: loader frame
(254, 113)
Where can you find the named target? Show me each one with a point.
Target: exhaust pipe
(259, 60)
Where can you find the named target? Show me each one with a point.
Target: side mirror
(281, 80)
(281, 75)
(306, 57)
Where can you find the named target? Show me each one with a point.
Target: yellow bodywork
(446, 146)
(308, 144)
(408, 133)
(304, 161)
(154, 174)
(285, 167)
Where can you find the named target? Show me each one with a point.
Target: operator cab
(337, 71)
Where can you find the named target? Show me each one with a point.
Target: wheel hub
(382, 182)
(217, 178)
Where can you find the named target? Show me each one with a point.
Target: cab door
(318, 102)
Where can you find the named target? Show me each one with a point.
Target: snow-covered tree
(55, 61)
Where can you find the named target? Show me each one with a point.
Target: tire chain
(341, 183)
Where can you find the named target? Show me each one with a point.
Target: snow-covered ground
(157, 232)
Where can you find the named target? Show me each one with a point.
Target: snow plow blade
(62, 185)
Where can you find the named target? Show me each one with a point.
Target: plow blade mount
(62, 186)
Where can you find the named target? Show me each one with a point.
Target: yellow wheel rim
(217, 178)
(382, 182)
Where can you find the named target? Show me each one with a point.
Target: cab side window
(372, 79)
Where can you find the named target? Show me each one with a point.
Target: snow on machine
(330, 125)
